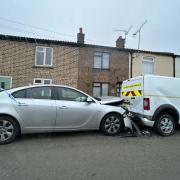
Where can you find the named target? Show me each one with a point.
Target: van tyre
(9, 130)
(112, 124)
(165, 125)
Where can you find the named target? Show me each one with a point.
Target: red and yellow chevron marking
(132, 93)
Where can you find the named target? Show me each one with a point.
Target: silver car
(53, 108)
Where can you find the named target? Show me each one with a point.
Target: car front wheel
(9, 130)
(112, 124)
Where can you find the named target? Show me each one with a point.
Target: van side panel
(161, 90)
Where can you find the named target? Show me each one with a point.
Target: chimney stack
(80, 36)
(120, 42)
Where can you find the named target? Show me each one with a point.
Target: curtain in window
(148, 66)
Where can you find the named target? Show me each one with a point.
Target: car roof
(43, 85)
(46, 85)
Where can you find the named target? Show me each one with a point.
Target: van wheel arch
(166, 109)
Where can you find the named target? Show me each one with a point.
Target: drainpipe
(174, 64)
(131, 59)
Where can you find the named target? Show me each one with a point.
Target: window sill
(101, 69)
(50, 67)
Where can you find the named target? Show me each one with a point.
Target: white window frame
(44, 60)
(42, 81)
(99, 85)
(145, 60)
(101, 56)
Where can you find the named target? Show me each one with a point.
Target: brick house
(97, 70)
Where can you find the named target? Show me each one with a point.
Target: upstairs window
(148, 65)
(44, 56)
(38, 81)
(101, 60)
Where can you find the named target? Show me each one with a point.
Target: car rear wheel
(9, 130)
(112, 124)
(165, 125)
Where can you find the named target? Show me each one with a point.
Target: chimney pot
(81, 30)
(80, 36)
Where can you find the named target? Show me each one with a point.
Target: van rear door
(132, 90)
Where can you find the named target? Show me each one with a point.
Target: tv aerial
(139, 33)
(126, 32)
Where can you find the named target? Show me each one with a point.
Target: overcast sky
(98, 18)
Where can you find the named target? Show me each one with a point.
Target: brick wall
(17, 59)
(119, 69)
(72, 65)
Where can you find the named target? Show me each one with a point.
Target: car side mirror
(89, 100)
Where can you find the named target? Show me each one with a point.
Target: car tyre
(165, 125)
(112, 124)
(9, 130)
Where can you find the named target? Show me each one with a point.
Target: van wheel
(165, 125)
(9, 130)
(112, 124)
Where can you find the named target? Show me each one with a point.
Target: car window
(19, 94)
(1, 90)
(68, 94)
(39, 93)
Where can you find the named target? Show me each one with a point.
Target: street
(90, 155)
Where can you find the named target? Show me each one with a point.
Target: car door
(73, 111)
(36, 107)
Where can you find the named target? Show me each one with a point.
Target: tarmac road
(90, 155)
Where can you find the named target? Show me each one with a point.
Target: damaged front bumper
(133, 125)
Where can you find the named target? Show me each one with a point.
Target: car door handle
(22, 104)
(63, 107)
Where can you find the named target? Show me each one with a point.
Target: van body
(155, 100)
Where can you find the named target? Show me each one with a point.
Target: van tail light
(146, 104)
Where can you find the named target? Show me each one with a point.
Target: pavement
(91, 155)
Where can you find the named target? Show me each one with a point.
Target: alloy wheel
(112, 124)
(6, 130)
(166, 125)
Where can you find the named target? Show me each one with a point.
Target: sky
(61, 19)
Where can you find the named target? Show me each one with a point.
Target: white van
(155, 100)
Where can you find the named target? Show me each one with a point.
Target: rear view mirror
(89, 100)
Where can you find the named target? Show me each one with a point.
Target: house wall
(17, 59)
(163, 65)
(73, 65)
(118, 71)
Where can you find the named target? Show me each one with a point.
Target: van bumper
(147, 122)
